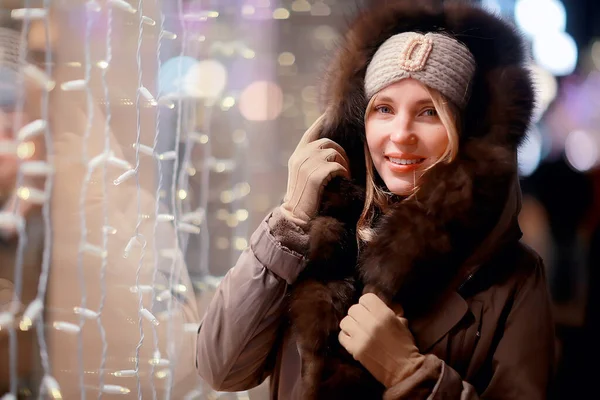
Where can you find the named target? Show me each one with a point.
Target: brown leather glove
(312, 165)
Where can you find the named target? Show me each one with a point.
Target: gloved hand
(312, 165)
(380, 340)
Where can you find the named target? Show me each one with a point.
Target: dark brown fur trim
(287, 233)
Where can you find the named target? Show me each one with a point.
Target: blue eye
(430, 112)
(383, 109)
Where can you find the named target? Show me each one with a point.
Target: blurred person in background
(12, 117)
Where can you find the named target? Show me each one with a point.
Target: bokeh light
(540, 17)
(261, 101)
(582, 150)
(530, 152)
(556, 52)
(206, 79)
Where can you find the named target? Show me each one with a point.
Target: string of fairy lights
(197, 184)
(11, 219)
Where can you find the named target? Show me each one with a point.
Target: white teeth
(402, 161)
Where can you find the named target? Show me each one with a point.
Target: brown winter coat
(495, 341)
(475, 298)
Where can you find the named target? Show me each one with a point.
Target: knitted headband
(436, 60)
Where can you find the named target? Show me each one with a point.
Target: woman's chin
(400, 187)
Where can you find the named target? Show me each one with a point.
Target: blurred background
(229, 86)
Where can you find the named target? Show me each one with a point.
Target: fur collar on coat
(420, 243)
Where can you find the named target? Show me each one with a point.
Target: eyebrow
(387, 99)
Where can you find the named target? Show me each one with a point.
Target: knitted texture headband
(436, 60)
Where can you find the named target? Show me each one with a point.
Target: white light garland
(168, 156)
(93, 6)
(6, 320)
(188, 228)
(124, 177)
(165, 217)
(29, 13)
(148, 96)
(66, 327)
(115, 389)
(175, 205)
(89, 314)
(51, 387)
(107, 230)
(71, 86)
(32, 129)
(32, 312)
(148, 21)
(39, 77)
(94, 250)
(122, 5)
(99, 161)
(104, 167)
(126, 373)
(36, 168)
(143, 149)
(11, 221)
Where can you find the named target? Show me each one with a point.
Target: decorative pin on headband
(415, 53)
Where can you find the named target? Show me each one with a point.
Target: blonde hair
(378, 199)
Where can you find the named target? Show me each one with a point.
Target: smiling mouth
(405, 161)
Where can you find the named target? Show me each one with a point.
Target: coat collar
(434, 325)
(429, 328)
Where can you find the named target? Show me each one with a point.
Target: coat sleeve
(240, 327)
(522, 365)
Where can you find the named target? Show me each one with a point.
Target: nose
(402, 131)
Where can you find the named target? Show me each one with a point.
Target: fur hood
(502, 98)
(464, 211)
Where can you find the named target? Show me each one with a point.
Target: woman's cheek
(439, 141)
(375, 138)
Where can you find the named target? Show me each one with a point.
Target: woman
(393, 268)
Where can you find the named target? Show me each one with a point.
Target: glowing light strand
(204, 197)
(46, 255)
(138, 191)
(183, 183)
(82, 199)
(174, 207)
(156, 197)
(105, 232)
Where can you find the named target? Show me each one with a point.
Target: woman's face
(404, 134)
